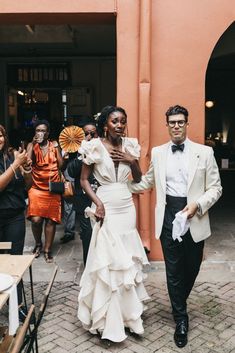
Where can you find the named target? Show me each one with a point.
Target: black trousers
(85, 234)
(182, 259)
(12, 228)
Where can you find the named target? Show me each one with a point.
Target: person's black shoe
(66, 238)
(181, 334)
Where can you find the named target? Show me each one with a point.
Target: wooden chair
(17, 343)
(33, 335)
(6, 339)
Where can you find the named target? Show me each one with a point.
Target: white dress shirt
(177, 171)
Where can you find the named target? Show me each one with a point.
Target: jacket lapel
(193, 162)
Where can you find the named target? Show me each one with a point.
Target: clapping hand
(21, 158)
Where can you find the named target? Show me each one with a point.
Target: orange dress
(42, 203)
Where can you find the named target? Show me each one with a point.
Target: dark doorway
(220, 134)
(220, 114)
(56, 71)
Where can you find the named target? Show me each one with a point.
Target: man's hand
(191, 209)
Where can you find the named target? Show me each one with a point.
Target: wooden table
(15, 265)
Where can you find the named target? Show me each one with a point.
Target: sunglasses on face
(91, 133)
(180, 123)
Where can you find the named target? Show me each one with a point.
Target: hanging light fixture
(209, 104)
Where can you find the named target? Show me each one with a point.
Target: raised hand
(38, 137)
(120, 156)
(21, 158)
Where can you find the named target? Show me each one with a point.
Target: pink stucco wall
(182, 37)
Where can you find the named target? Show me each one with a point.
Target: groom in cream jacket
(186, 178)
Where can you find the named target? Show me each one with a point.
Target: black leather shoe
(66, 238)
(181, 334)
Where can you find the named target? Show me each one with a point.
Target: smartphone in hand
(22, 145)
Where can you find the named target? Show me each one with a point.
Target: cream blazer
(204, 186)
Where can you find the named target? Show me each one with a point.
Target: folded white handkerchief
(89, 212)
(13, 310)
(180, 225)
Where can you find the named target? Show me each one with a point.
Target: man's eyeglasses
(91, 133)
(180, 123)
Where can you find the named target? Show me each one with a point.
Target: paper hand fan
(71, 138)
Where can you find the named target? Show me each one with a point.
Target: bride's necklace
(112, 146)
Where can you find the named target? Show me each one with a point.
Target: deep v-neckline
(46, 155)
(116, 167)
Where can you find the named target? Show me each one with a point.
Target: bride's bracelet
(27, 171)
(13, 169)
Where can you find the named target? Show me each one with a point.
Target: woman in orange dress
(44, 207)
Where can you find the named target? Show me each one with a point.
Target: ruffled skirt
(112, 290)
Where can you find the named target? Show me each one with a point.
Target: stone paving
(212, 322)
(211, 304)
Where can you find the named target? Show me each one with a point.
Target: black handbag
(64, 188)
(56, 187)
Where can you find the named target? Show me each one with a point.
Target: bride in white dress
(112, 291)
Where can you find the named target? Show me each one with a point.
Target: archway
(220, 134)
(219, 113)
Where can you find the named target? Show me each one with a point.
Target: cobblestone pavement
(212, 322)
(211, 304)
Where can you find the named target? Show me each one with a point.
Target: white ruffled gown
(112, 291)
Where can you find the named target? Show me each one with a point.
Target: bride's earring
(105, 133)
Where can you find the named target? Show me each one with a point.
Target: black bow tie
(177, 148)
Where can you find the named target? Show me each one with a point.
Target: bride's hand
(100, 213)
(119, 156)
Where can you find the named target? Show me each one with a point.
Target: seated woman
(112, 289)
(15, 179)
(43, 205)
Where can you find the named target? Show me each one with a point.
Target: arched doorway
(220, 134)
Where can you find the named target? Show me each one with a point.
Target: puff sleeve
(91, 151)
(132, 146)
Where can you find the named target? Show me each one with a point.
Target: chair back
(33, 335)
(18, 341)
(5, 246)
(46, 296)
